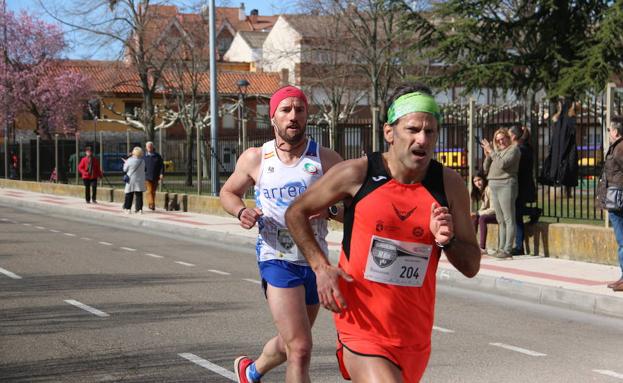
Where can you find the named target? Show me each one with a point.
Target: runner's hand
(441, 224)
(328, 290)
(249, 217)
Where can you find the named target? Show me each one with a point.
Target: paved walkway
(558, 282)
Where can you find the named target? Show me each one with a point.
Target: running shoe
(240, 368)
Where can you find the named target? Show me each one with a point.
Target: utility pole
(214, 174)
(213, 103)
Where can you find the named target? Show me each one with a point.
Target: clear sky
(265, 7)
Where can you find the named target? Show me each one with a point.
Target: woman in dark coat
(520, 136)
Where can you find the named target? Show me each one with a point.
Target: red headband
(283, 93)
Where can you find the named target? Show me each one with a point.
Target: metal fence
(353, 140)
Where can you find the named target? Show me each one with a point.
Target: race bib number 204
(397, 262)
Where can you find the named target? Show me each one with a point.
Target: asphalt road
(83, 302)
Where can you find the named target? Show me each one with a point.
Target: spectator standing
(154, 173)
(13, 167)
(134, 167)
(520, 136)
(90, 171)
(501, 165)
(613, 176)
(481, 193)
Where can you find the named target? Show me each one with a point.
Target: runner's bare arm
(243, 177)
(342, 181)
(328, 159)
(464, 253)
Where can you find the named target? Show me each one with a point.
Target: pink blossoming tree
(33, 79)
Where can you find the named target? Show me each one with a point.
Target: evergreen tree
(524, 45)
(603, 58)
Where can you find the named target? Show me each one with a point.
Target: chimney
(283, 77)
(241, 13)
(254, 14)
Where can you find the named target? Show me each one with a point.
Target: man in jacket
(154, 172)
(90, 171)
(613, 177)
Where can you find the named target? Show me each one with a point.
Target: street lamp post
(94, 110)
(242, 90)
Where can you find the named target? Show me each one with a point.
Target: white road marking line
(54, 231)
(9, 274)
(209, 365)
(252, 280)
(40, 227)
(105, 243)
(444, 330)
(90, 309)
(85, 238)
(184, 263)
(154, 255)
(4, 219)
(26, 224)
(69, 234)
(219, 272)
(609, 373)
(518, 349)
(128, 249)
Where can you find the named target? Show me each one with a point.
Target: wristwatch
(332, 210)
(446, 245)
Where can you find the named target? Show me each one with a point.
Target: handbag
(614, 198)
(126, 177)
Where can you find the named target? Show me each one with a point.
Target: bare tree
(328, 71)
(188, 71)
(138, 27)
(380, 38)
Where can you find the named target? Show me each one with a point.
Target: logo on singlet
(403, 215)
(378, 178)
(310, 168)
(379, 225)
(418, 231)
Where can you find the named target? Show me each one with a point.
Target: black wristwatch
(332, 210)
(447, 244)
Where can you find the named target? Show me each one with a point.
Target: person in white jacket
(134, 168)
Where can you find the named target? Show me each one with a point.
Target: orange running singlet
(390, 252)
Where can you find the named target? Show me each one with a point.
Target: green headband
(411, 103)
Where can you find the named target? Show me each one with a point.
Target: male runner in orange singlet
(402, 208)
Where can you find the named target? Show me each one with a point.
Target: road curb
(532, 292)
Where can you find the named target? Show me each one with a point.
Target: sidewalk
(557, 282)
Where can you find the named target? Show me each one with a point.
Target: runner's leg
(371, 369)
(293, 319)
(274, 352)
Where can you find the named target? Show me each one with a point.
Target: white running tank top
(277, 186)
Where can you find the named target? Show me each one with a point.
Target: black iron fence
(57, 159)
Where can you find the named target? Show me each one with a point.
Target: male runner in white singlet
(280, 171)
